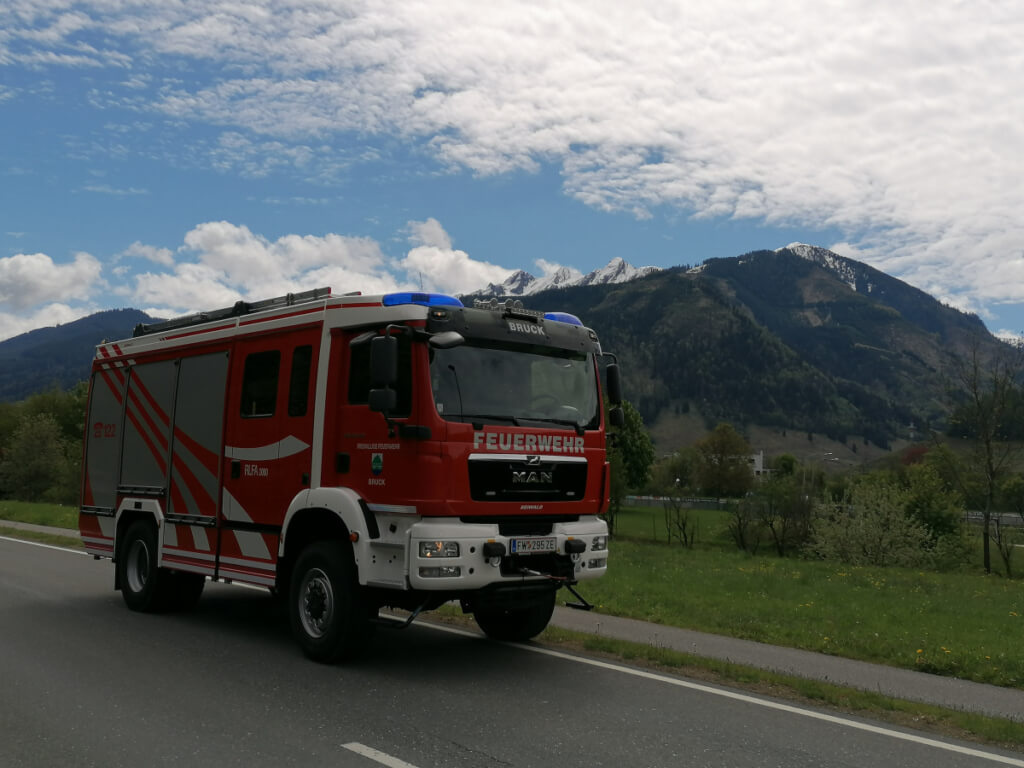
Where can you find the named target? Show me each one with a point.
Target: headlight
(599, 542)
(439, 549)
(597, 563)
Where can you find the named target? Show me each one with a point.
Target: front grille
(522, 526)
(515, 480)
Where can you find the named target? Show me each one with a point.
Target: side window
(359, 376)
(298, 385)
(259, 384)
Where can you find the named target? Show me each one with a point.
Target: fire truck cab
(350, 453)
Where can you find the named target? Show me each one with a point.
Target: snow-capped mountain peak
(851, 272)
(521, 283)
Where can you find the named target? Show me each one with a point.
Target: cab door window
(259, 384)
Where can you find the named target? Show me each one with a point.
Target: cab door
(268, 447)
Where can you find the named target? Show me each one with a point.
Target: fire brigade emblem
(377, 463)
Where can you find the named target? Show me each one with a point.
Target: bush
(871, 527)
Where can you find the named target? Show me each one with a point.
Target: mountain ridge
(522, 283)
(797, 338)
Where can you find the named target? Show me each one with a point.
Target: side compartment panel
(190, 536)
(148, 427)
(102, 460)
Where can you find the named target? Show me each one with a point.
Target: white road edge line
(376, 755)
(44, 546)
(749, 699)
(394, 762)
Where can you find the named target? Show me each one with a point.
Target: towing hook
(493, 552)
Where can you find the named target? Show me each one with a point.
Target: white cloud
(431, 233)
(435, 265)
(550, 268)
(901, 124)
(15, 324)
(106, 189)
(158, 255)
(28, 279)
(221, 262)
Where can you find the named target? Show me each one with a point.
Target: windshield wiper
(548, 420)
(488, 416)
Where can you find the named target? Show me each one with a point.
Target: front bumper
(473, 569)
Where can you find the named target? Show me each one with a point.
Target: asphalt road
(85, 682)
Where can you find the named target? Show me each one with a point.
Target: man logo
(532, 478)
(533, 461)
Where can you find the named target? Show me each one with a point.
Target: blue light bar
(423, 299)
(563, 317)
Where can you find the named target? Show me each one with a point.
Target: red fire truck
(353, 452)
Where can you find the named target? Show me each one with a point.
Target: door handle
(236, 469)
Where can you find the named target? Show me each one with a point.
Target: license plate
(532, 546)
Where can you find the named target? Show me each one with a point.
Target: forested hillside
(59, 357)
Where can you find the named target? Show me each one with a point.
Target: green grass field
(964, 624)
(54, 515)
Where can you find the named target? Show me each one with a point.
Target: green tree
(932, 502)
(630, 456)
(782, 510)
(990, 394)
(634, 447)
(724, 468)
(786, 464)
(38, 463)
(676, 473)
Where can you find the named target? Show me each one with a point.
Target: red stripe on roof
(194, 333)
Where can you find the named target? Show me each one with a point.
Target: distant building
(756, 462)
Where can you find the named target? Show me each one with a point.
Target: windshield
(515, 385)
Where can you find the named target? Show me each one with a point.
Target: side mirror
(383, 361)
(614, 384)
(616, 417)
(446, 340)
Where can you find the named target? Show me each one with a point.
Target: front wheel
(515, 624)
(328, 609)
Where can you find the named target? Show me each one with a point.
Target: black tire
(515, 624)
(328, 610)
(144, 586)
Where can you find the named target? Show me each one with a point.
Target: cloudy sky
(175, 156)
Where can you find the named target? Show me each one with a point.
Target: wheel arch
(128, 512)
(336, 511)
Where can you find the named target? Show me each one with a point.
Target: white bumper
(470, 569)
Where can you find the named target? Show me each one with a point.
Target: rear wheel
(515, 623)
(144, 586)
(328, 609)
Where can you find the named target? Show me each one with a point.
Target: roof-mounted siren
(422, 299)
(563, 317)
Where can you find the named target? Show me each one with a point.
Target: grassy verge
(964, 624)
(43, 538)
(54, 515)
